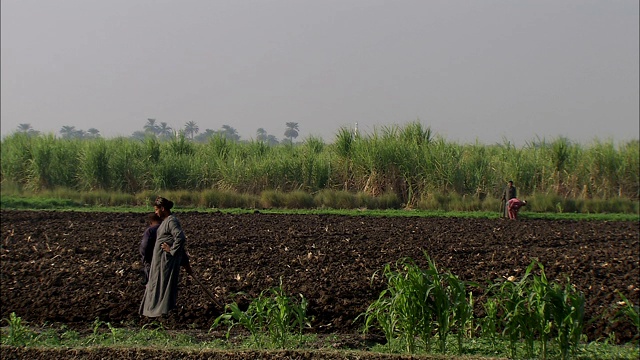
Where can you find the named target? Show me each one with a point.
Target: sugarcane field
(70, 269)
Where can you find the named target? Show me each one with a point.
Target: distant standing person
(508, 194)
(169, 253)
(147, 244)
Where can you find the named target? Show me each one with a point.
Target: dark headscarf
(162, 202)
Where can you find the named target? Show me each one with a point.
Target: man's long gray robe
(161, 293)
(508, 194)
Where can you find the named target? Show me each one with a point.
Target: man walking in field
(169, 254)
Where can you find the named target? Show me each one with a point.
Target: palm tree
(25, 128)
(292, 131)
(204, 136)
(164, 130)
(261, 134)
(68, 132)
(139, 135)
(94, 133)
(151, 127)
(230, 133)
(272, 140)
(191, 129)
(79, 134)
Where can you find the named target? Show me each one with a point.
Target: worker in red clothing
(513, 206)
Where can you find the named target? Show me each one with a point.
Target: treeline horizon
(163, 132)
(407, 162)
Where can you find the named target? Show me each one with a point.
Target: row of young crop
(407, 161)
(419, 308)
(423, 307)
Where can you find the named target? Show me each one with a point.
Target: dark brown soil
(73, 267)
(11, 353)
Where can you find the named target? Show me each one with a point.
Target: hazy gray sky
(485, 70)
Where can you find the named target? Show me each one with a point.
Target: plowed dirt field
(73, 267)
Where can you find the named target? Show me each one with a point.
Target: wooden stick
(206, 290)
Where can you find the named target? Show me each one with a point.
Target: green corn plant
(423, 308)
(567, 310)
(154, 330)
(402, 310)
(379, 312)
(396, 310)
(405, 305)
(418, 302)
(441, 304)
(285, 316)
(630, 312)
(117, 335)
(253, 319)
(534, 309)
(19, 333)
(299, 311)
(525, 312)
(272, 313)
(95, 336)
(462, 307)
(533, 313)
(412, 303)
(540, 311)
(489, 323)
(511, 299)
